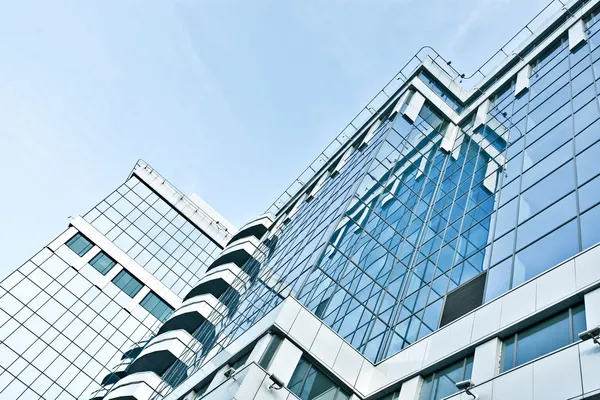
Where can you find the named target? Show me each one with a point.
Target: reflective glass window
(309, 383)
(156, 306)
(102, 262)
(543, 338)
(127, 283)
(79, 244)
(442, 383)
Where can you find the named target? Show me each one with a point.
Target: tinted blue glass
(127, 283)
(102, 262)
(79, 244)
(590, 221)
(543, 338)
(546, 253)
(156, 306)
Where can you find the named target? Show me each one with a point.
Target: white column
(285, 361)
(411, 390)
(592, 308)
(414, 106)
(577, 35)
(523, 80)
(482, 113)
(486, 362)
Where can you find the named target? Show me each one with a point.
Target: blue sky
(228, 99)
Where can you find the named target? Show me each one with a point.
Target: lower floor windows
(309, 383)
(442, 383)
(543, 338)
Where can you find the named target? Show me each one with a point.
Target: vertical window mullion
(515, 350)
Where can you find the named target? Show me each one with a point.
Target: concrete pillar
(523, 80)
(414, 107)
(450, 138)
(592, 308)
(486, 362)
(285, 361)
(482, 113)
(411, 390)
(577, 35)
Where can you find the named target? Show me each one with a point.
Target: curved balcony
(140, 386)
(237, 253)
(218, 280)
(257, 228)
(118, 372)
(192, 313)
(162, 352)
(136, 348)
(101, 392)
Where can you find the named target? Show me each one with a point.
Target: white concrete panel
(515, 384)
(406, 362)
(458, 144)
(486, 320)
(589, 356)
(369, 378)
(370, 134)
(347, 363)
(62, 238)
(577, 34)
(450, 138)
(259, 348)
(482, 113)
(343, 161)
(592, 308)
(449, 339)
(523, 80)
(556, 284)
(137, 298)
(518, 304)
(557, 377)
(285, 361)
(326, 346)
(491, 176)
(287, 314)
(412, 110)
(305, 328)
(586, 267)
(411, 389)
(486, 363)
(422, 166)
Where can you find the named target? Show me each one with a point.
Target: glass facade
(376, 250)
(60, 334)
(155, 235)
(65, 322)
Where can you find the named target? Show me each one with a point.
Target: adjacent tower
(70, 312)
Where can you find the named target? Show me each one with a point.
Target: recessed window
(309, 383)
(80, 244)
(156, 306)
(543, 338)
(442, 383)
(127, 283)
(102, 262)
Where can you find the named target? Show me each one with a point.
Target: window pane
(543, 338)
(102, 262)
(79, 244)
(508, 354)
(590, 234)
(156, 306)
(127, 283)
(579, 324)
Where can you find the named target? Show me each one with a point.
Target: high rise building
(70, 312)
(445, 245)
